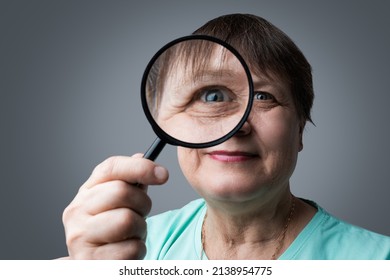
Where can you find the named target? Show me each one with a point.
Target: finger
(132, 249)
(138, 155)
(133, 170)
(117, 194)
(114, 226)
(142, 187)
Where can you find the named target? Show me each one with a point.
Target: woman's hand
(106, 219)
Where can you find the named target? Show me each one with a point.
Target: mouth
(231, 156)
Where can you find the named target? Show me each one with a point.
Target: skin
(106, 218)
(264, 152)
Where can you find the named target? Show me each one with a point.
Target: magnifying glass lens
(197, 91)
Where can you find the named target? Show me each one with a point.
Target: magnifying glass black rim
(168, 138)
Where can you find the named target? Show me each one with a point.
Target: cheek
(189, 161)
(283, 146)
(280, 130)
(280, 137)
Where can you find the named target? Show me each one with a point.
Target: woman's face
(260, 158)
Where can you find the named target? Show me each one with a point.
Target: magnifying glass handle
(155, 149)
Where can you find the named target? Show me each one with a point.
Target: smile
(227, 156)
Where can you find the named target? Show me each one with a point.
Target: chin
(230, 189)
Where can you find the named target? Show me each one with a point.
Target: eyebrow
(273, 86)
(262, 83)
(214, 77)
(211, 73)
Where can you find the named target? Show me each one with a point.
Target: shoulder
(177, 216)
(168, 231)
(327, 237)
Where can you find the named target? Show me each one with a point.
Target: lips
(231, 156)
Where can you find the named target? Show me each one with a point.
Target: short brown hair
(267, 49)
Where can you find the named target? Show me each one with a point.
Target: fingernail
(160, 173)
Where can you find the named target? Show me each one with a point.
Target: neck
(248, 232)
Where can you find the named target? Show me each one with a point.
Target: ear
(301, 129)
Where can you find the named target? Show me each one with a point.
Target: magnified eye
(261, 95)
(214, 95)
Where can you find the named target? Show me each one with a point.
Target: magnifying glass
(196, 92)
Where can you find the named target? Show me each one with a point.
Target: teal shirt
(176, 235)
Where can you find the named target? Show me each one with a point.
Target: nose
(245, 129)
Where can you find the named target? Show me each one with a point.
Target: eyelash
(268, 95)
(224, 92)
(201, 92)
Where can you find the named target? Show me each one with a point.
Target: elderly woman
(247, 210)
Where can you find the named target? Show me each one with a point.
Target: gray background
(70, 74)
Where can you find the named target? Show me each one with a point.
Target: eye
(262, 95)
(214, 95)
